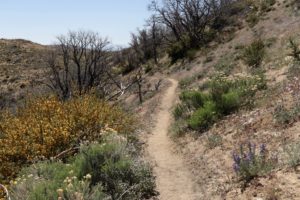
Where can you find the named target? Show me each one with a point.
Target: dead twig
(6, 191)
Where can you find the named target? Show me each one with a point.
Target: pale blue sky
(42, 20)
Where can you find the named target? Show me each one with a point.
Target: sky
(42, 20)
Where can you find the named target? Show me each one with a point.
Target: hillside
(22, 67)
(217, 119)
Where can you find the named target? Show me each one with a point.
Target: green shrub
(252, 19)
(254, 54)
(191, 54)
(295, 51)
(292, 153)
(177, 51)
(193, 99)
(183, 83)
(282, 115)
(266, 5)
(225, 64)
(178, 111)
(204, 117)
(201, 110)
(230, 102)
(100, 171)
(179, 128)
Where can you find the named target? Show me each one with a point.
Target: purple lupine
(236, 158)
(236, 167)
(263, 149)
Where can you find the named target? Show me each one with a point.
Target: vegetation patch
(250, 162)
(45, 127)
(201, 110)
(105, 170)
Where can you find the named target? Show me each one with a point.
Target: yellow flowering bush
(46, 126)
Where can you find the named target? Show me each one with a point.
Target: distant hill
(22, 66)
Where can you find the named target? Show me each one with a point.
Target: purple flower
(262, 149)
(236, 167)
(236, 158)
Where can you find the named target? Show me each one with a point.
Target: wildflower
(88, 177)
(236, 167)
(262, 149)
(60, 192)
(236, 158)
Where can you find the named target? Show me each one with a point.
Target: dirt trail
(174, 181)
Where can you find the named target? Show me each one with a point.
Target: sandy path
(174, 181)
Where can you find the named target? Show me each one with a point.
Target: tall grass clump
(45, 127)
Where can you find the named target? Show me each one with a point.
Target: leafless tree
(79, 62)
(189, 18)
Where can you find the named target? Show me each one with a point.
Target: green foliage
(107, 170)
(266, 5)
(254, 54)
(295, 51)
(204, 117)
(229, 102)
(177, 51)
(225, 64)
(252, 19)
(178, 111)
(191, 54)
(193, 99)
(282, 115)
(183, 83)
(292, 153)
(200, 110)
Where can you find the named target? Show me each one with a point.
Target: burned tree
(78, 63)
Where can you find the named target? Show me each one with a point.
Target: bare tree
(188, 20)
(78, 63)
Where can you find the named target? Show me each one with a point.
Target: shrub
(148, 69)
(294, 46)
(193, 99)
(201, 110)
(178, 111)
(225, 65)
(254, 53)
(282, 115)
(204, 117)
(177, 51)
(191, 54)
(292, 152)
(179, 128)
(183, 83)
(250, 162)
(214, 140)
(252, 19)
(229, 102)
(266, 5)
(45, 127)
(99, 171)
